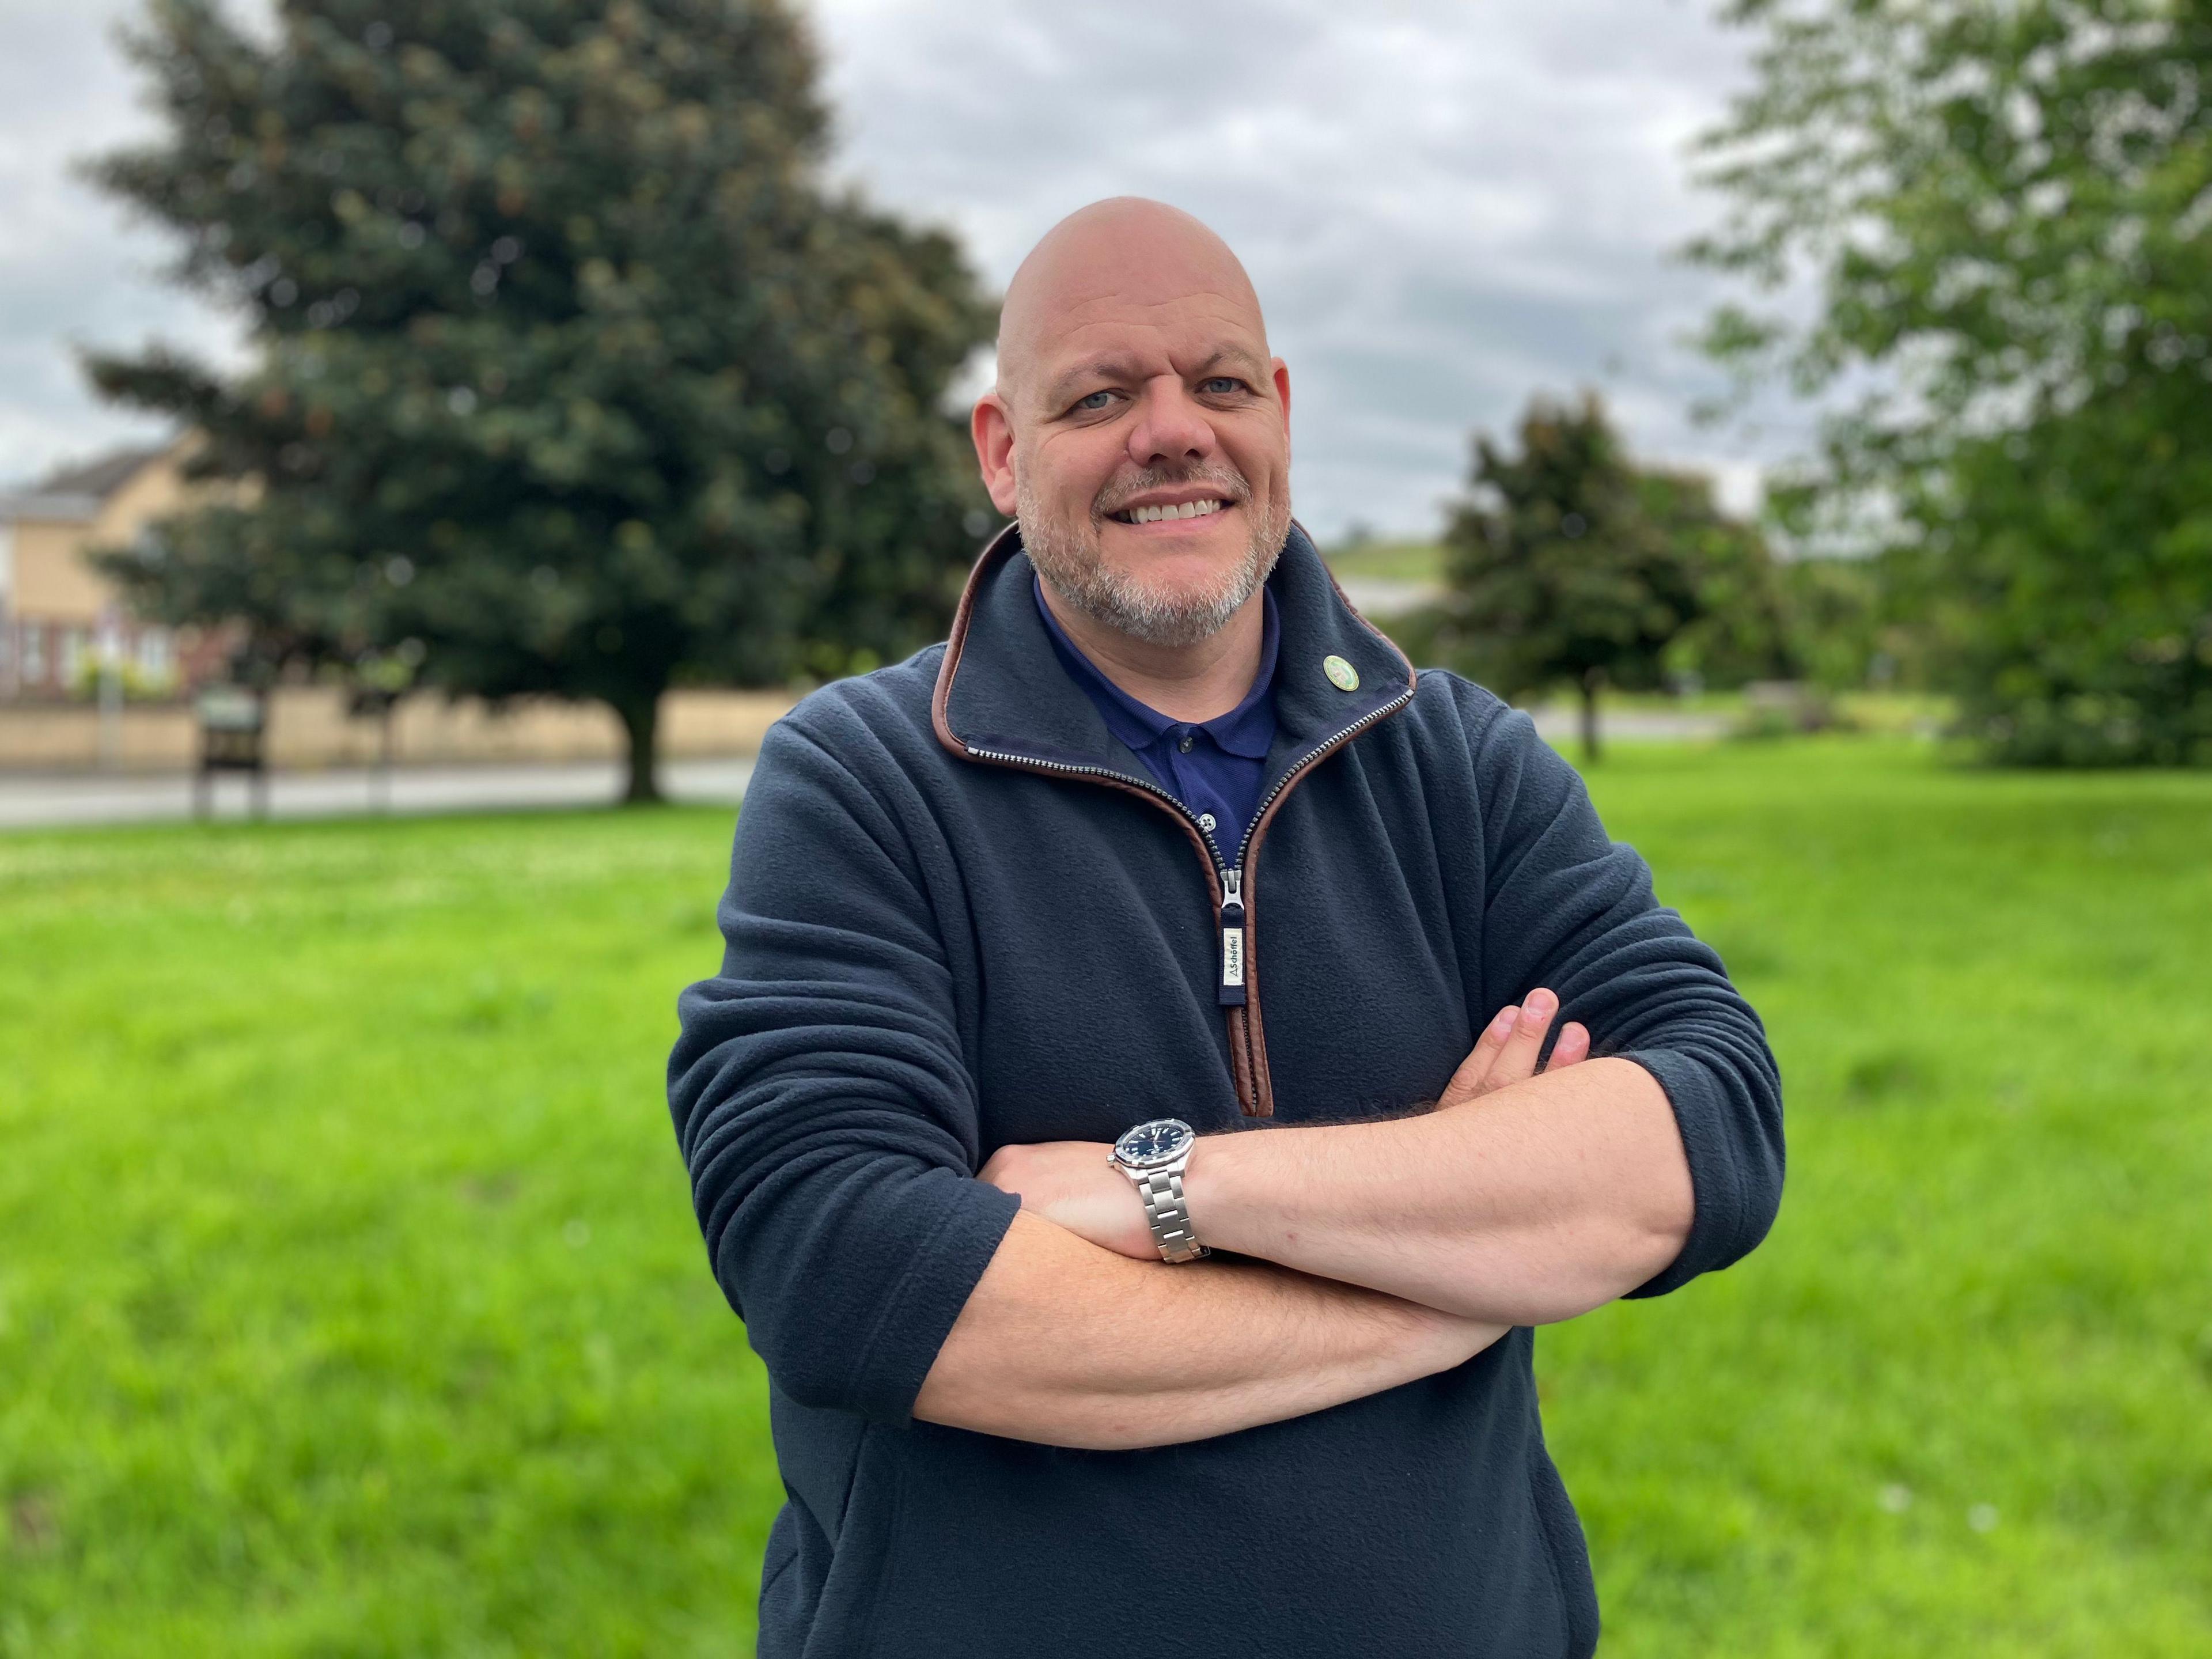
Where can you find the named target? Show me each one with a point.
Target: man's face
(1144, 449)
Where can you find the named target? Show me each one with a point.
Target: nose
(1170, 429)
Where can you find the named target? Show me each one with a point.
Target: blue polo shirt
(1213, 767)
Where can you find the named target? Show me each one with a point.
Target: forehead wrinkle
(1107, 309)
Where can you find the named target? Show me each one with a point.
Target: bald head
(1122, 256)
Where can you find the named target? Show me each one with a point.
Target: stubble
(1071, 556)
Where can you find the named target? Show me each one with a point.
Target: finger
(1516, 1061)
(1471, 1078)
(1572, 1049)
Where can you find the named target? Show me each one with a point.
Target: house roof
(75, 492)
(100, 478)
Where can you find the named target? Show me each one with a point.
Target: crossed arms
(1385, 1252)
(826, 1106)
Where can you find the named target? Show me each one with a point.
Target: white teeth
(1187, 510)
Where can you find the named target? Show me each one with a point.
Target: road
(29, 800)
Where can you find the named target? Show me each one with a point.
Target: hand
(1071, 1183)
(1506, 1051)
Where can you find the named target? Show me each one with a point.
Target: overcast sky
(1446, 204)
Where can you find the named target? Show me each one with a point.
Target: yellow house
(60, 617)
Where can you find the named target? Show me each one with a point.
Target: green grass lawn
(350, 1302)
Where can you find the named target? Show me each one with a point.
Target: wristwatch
(1153, 1156)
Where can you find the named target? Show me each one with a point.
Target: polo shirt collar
(1244, 730)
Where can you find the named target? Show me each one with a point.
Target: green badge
(1341, 674)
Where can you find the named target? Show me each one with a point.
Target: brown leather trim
(1254, 1097)
(999, 546)
(1255, 1038)
(1240, 1061)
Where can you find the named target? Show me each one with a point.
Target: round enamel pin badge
(1341, 674)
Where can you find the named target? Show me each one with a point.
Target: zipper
(1111, 776)
(1291, 775)
(1234, 918)
(1231, 988)
(1234, 957)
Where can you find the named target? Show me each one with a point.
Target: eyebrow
(1118, 367)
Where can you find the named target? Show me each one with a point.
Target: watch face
(1151, 1145)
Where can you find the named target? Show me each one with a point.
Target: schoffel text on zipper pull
(1232, 938)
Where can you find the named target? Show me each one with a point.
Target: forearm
(1539, 1202)
(1067, 1344)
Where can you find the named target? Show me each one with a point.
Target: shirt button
(1206, 822)
(1188, 738)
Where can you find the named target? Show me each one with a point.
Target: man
(1002, 927)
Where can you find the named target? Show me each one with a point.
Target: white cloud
(1446, 205)
(74, 270)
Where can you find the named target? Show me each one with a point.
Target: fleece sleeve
(821, 1100)
(1567, 907)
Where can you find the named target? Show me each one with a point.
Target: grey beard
(1072, 560)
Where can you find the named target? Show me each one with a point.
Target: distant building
(59, 615)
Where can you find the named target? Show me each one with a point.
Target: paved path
(1561, 725)
(35, 799)
(1382, 598)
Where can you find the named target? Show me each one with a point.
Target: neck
(1190, 683)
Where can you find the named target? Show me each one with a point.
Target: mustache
(1232, 483)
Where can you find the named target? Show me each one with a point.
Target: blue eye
(1096, 401)
(1224, 383)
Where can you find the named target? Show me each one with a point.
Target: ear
(992, 429)
(1279, 373)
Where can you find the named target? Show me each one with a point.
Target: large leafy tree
(571, 374)
(1568, 565)
(2001, 213)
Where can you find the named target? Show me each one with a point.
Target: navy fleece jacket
(960, 915)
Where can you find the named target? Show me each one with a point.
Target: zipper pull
(1232, 938)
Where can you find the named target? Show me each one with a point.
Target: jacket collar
(1003, 696)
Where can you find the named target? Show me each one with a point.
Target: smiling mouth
(1203, 509)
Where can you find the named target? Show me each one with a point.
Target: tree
(1567, 564)
(1848, 628)
(1744, 626)
(2001, 210)
(571, 375)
